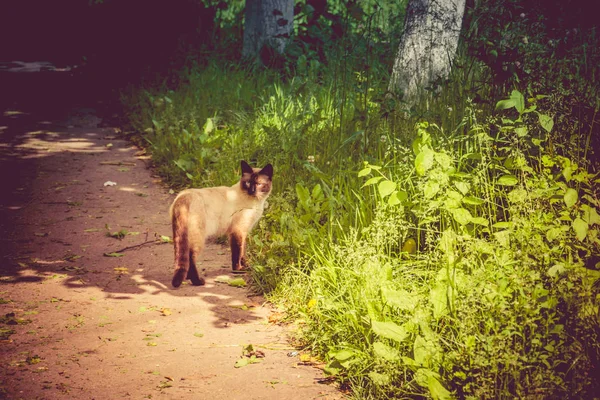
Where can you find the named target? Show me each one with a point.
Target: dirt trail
(75, 324)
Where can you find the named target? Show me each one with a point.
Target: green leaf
(518, 99)
(386, 352)
(503, 225)
(515, 100)
(389, 330)
(461, 215)
(438, 299)
(431, 189)
(165, 239)
(581, 228)
(436, 390)
(546, 122)
(472, 201)
(553, 234)
(242, 362)
(379, 379)
(317, 193)
(372, 181)
(521, 131)
(517, 195)
(424, 351)
(393, 200)
(209, 126)
(386, 188)
(399, 298)
(503, 238)
(113, 254)
(237, 282)
(444, 160)
(505, 104)
(507, 180)
(479, 221)
(590, 215)
(556, 269)
(424, 160)
(463, 187)
(344, 354)
(302, 193)
(571, 197)
(364, 172)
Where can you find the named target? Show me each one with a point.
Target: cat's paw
(178, 277)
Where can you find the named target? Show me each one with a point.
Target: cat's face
(256, 182)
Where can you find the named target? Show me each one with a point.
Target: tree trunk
(267, 27)
(427, 47)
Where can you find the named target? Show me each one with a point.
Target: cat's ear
(267, 170)
(246, 169)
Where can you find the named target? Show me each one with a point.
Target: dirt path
(75, 324)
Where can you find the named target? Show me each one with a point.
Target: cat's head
(256, 182)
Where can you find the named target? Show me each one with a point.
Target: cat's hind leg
(192, 273)
(182, 255)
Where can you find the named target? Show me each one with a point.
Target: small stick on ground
(119, 163)
(139, 245)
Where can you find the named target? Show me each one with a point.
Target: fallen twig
(139, 245)
(130, 164)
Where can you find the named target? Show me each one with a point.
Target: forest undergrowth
(447, 250)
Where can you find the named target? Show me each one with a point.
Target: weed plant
(447, 250)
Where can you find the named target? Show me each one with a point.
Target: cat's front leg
(237, 241)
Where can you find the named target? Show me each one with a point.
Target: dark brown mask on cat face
(256, 182)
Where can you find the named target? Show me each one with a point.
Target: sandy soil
(76, 324)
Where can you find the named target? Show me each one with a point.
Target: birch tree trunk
(427, 47)
(268, 23)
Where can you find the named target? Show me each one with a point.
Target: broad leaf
(431, 189)
(479, 221)
(505, 104)
(521, 131)
(424, 351)
(386, 188)
(472, 201)
(364, 172)
(436, 390)
(517, 195)
(461, 215)
(463, 187)
(399, 298)
(571, 197)
(379, 379)
(581, 228)
(556, 269)
(518, 99)
(507, 180)
(386, 352)
(372, 181)
(546, 122)
(424, 160)
(389, 330)
(439, 300)
(343, 355)
(590, 215)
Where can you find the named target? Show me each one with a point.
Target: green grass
(498, 295)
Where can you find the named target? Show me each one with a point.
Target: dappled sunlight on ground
(96, 309)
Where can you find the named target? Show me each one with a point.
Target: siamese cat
(198, 214)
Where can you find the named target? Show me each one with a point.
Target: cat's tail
(179, 218)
